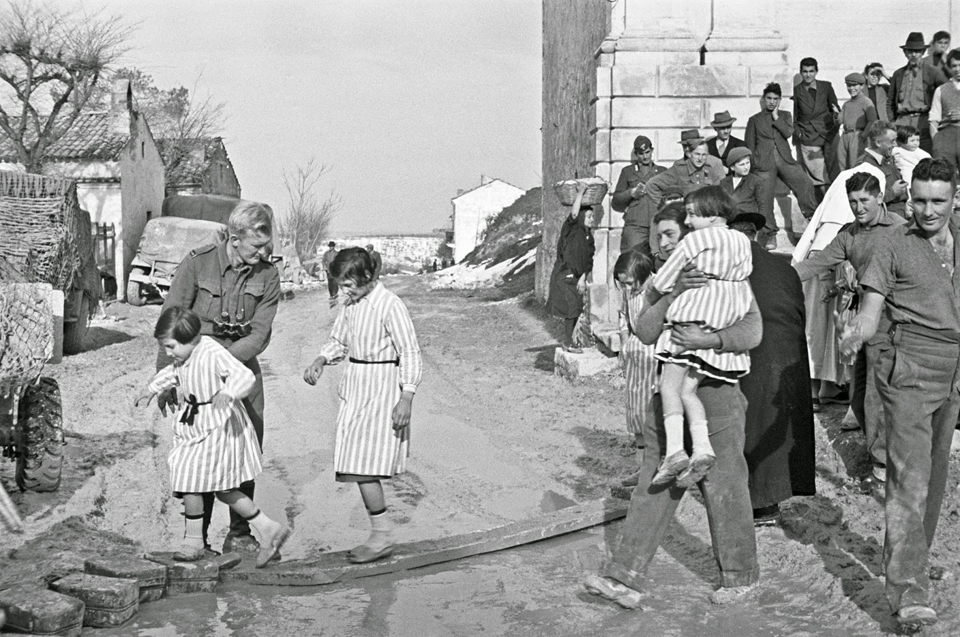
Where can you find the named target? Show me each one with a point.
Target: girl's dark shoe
(670, 468)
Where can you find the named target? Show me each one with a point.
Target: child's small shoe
(699, 467)
(670, 468)
(189, 552)
(271, 545)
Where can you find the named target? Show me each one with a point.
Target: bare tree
(51, 62)
(307, 218)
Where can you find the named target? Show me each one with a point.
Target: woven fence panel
(26, 333)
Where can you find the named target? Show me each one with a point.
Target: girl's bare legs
(703, 456)
(380, 543)
(675, 458)
(272, 533)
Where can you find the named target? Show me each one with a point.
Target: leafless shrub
(307, 217)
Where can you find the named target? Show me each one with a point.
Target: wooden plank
(328, 568)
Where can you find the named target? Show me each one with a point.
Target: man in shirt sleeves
(911, 89)
(945, 114)
(913, 277)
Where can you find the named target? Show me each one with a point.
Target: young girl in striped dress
(374, 332)
(631, 272)
(214, 446)
(723, 255)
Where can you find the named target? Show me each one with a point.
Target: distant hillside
(513, 232)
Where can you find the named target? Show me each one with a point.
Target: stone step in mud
(151, 577)
(38, 611)
(328, 568)
(187, 577)
(108, 601)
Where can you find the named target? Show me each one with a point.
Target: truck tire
(75, 332)
(40, 437)
(133, 294)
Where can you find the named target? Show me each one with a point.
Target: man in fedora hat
(815, 113)
(696, 170)
(768, 135)
(721, 145)
(632, 186)
(911, 89)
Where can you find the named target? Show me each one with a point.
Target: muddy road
(496, 438)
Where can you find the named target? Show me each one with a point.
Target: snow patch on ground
(465, 276)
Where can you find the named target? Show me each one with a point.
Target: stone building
(408, 253)
(114, 159)
(198, 167)
(614, 70)
(472, 209)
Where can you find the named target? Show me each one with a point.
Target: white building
(473, 209)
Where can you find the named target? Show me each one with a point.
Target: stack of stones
(107, 594)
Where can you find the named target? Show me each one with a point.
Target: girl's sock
(193, 534)
(673, 425)
(700, 436)
(263, 525)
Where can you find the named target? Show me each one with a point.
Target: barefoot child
(723, 255)
(214, 446)
(374, 332)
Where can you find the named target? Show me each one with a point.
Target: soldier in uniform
(235, 290)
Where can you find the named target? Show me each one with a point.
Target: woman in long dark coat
(779, 444)
(568, 281)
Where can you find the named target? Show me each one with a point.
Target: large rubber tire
(133, 294)
(40, 437)
(75, 332)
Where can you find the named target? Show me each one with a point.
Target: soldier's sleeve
(262, 322)
(182, 293)
(621, 194)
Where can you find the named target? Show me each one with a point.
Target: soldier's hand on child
(401, 412)
(313, 373)
(145, 397)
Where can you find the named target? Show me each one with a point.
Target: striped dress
(219, 450)
(376, 328)
(723, 255)
(639, 364)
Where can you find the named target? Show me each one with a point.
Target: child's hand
(313, 373)
(146, 396)
(221, 401)
(401, 413)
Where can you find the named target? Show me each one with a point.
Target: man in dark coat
(767, 137)
(721, 145)
(779, 444)
(911, 90)
(815, 112)
(744, 187)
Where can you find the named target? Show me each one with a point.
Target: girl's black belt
(395, 361)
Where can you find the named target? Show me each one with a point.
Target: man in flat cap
(768, 135)
(855, 116)
(631, 187)
(696, 170)
(945, 114)
(911, 90)
(815, 114)
(721, 145)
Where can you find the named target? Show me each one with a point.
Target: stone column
(743, 33)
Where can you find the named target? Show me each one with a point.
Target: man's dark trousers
(916, 378)
(796, 179)
(725, 493)
(865, 399)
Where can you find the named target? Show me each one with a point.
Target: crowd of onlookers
(865, 313)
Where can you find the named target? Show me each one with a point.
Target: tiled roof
(90, 137)
(187, 160)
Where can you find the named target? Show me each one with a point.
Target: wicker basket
(593, 195)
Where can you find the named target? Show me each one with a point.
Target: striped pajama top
(377, 328)
(639, 364)
(723, 255)
(219, 450)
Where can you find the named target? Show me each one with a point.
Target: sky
(405, 100)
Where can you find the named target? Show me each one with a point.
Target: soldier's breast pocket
(252, 296)
(207, 303)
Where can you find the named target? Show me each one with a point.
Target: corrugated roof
(90, 137)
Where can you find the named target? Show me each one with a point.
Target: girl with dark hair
(215, 448)
(631, 272)
(375, 333)
(724, 257)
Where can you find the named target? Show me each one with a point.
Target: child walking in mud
(723, 255)
(215, 448)
(373, 331)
